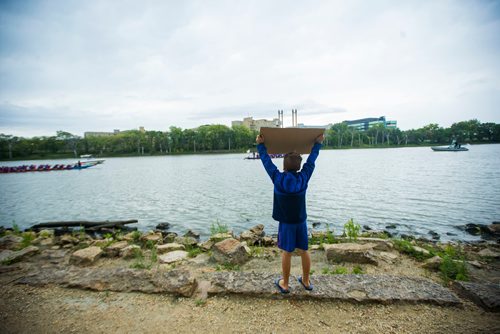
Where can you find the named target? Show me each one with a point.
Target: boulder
(46, 242)
(170, 247)
(68, 239)
(114, 250)
(221, 236)
(230, 251)
(186, 241)
(388, 257)
(207, 245)
(485, 295)
(268, 242)
(8, 256)
(488, 252)
(494, 228)
(129, 251)
(380, 244)
(10, 241)
(391, 226)
(421, 250)
(46, 233)
(192, 234)
(434, 235)
(254, 235)
(163, 226)
(351, 252)
(172, 257)
(433, 263)
(86, 256)
(169, 237)
(156, 238)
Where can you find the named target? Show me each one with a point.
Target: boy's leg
(306, 266)
(286, 263)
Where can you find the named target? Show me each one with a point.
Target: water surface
(415, 188)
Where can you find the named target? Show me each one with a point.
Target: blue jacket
(289, 204)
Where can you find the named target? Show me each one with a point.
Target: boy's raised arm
(308, 167)
(270, 167)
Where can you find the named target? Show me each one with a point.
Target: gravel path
(25, 309)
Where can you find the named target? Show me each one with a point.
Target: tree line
(220, 138)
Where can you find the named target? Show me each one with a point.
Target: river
(415, 188)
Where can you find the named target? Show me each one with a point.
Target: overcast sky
(102, 65)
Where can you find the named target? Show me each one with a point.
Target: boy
(289, 208)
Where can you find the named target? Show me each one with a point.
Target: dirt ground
(26, 309)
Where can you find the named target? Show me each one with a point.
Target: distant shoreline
(243, 152)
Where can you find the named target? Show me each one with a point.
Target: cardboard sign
(284, 140)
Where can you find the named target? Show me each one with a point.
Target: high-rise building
(366, 123)
(256, 124)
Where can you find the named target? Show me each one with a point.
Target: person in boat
(289, 208)
(79, 164)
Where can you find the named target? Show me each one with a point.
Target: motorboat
(89, 158)
(453, 147)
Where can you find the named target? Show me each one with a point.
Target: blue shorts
(291, 236)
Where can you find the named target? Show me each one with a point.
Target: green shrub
(357, 270)
(453, 270)
(404, 246)
(227, 266)
(193, 251)
(339, 271)
(136, 237)
(16, 229)
(154, 255)
(351, 229)
(28, 237)
(217, 227)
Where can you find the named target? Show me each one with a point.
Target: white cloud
(188, 63)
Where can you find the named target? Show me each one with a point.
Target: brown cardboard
(284, 140)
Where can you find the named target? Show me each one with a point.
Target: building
(366, 123)
(256, 124)
(302, 125)
(100, 134)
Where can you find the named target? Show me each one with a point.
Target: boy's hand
(260, 139)
(320, 138)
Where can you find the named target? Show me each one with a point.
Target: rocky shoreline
(367, 267)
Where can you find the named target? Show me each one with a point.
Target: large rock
(207, 245)
(155, 238)
(421, 250)
(10, 241)
(176, 282)
(433, 263)
(380, 244)
(129, 251)
(383, 289)
(485, 295)
(172, 257)
(170, 247)
(387, 257)
(8, 256)
(494, 228)
(114, 249)
(229, 251)
(192, 234)
(221, 236)
(86, 256)
(254, 235)
(186, 241)
(68, 239)
(169, 237)
(351, 252)
(488, 252)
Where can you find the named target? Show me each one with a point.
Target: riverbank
(146, 282)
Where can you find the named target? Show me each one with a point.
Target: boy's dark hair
(291, 162)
